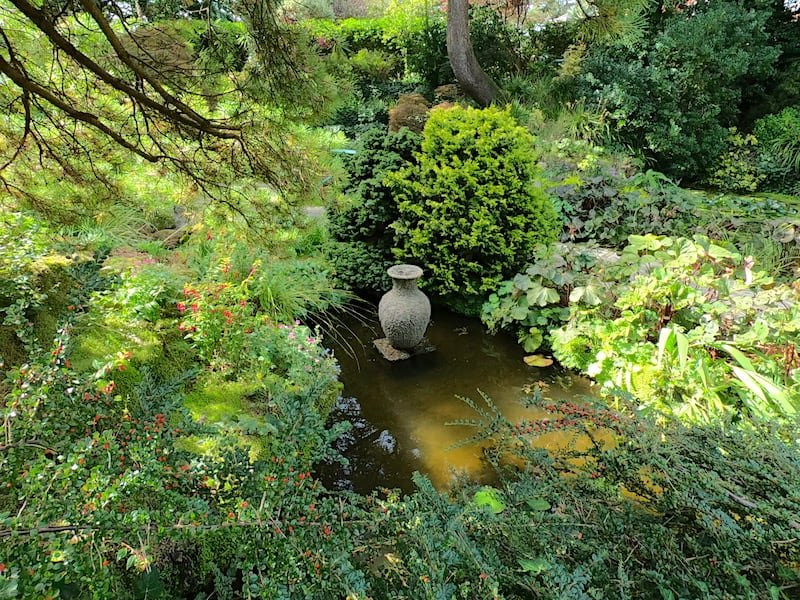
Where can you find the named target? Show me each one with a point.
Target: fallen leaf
(537, 360)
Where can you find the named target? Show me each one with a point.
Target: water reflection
(399, 410)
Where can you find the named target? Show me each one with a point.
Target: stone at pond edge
(393, 354)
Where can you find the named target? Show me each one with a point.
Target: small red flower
(181, 307)
(195, 307)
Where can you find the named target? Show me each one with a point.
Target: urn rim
(405, 272)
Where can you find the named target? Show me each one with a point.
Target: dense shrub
(606, 198)
(374, 65)
(35, 279)
(607, 206)
(470, 212)
(779, 149)
(738, 168)
(172, 436)
(674, 95)
(427, 53)
(359, 113)
(353, 35)
(360, 223)
(360, 266)
(502, 49)
(411, 111)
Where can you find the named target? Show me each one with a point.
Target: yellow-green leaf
(537, 360)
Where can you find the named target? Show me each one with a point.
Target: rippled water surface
(399, 410)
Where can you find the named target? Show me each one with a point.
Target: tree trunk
(471, 77)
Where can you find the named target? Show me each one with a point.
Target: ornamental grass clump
(470, 211)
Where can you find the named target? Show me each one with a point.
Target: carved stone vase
(404, 311)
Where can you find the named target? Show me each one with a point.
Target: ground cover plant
(687, 325)
(153, 427)
(639, 510)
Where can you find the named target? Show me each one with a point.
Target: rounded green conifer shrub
(471, 211)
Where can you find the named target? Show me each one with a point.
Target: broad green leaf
(686, 252)
(739, 356)
(519, 313)
(683, 348)
(538, 295)
(587, 294)
(537, 360)
(718, 252)
(534, 566)
(531, 340)
(664, 339)
(750, 383)
(489, 496)
(522, 281)
(771, 391)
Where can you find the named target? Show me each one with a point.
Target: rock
(314, 212)
(171, 238)
(389, 352)
(386, 441)
(392, 354)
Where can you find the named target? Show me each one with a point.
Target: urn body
(404, 311)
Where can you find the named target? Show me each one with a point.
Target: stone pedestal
(392, 354)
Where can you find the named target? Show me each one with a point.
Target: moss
(45, 326)
(12, 352)
(98, 343)
(176, 357)
(215, 400)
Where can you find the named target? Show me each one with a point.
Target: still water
(399, 411)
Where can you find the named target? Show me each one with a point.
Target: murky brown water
(399, 410)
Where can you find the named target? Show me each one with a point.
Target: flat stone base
(393, 354)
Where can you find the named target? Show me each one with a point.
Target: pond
(400, 410)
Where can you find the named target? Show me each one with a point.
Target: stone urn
(404, 311)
